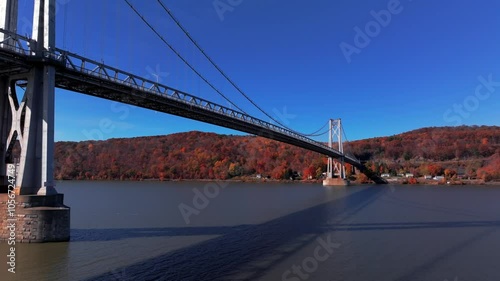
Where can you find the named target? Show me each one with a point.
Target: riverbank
(417, 181)
(398, 181)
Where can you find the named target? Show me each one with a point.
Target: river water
(269, 231)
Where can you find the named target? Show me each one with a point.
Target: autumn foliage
(192, 155)
(437, 144)
(448, 151)
(470, 152)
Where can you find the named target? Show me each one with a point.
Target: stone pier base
(335, 182)
(35, 219)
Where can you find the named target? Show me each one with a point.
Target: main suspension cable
(319, 134)
(314, 134)
(167, 10)
(181, 57)
(349, 151)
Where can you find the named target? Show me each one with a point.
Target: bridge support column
(27, 134)
(8, 17)
(335, 172)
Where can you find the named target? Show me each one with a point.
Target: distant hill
(191, 155)
(472, 151)
(437, 144)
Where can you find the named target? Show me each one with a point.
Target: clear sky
(384, 67)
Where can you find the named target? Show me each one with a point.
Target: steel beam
(8, 19)
(79, 74)
(30, 122)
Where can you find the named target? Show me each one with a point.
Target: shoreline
(421, 181)
(255, 180)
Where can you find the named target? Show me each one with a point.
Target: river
(269, 231)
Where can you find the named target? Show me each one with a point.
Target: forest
(467, 151)
(464, 152)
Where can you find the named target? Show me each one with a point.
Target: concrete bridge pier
(30, 207)
(335, 182)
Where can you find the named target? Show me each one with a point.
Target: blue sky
(407, 64)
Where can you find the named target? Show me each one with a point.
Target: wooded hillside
(469, 151)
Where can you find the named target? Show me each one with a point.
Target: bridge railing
(15, 42)
(87, 66)
(25, 46)
(79, 64)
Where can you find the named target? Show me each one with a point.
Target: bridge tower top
(8, 17)
(335, 135)
(44, 26)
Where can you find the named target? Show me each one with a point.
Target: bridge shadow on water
(112, 234)
(249, 251)
(238, 247)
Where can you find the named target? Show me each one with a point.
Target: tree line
(469, 151)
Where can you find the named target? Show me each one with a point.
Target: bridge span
(40, 67)
(79, 74)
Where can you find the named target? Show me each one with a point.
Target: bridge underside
(129, 95)
(103, 86)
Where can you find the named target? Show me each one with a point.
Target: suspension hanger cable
(177, 22)
(184, 30)
(181, 57)
(65, 21)
(349, 151)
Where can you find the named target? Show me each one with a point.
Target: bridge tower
(335, 171)
(27, 132)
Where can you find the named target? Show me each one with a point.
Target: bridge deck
(82, 75)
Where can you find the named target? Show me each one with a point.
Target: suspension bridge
(38, 66)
